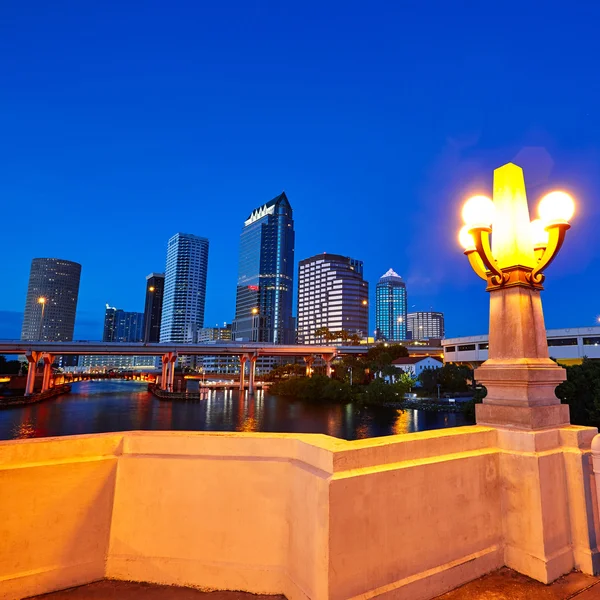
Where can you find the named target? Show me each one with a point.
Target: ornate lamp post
(511, 254)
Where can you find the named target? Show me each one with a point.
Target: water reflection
(104, 406)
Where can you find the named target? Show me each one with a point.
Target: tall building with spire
(391, 308)
(185, 289)
(51, 300)
(263, 306)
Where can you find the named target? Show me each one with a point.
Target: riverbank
(12, 401)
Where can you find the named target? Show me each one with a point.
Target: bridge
(45, 351)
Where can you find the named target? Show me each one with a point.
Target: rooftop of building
(390, 274)
(267, 208)
(329, 256)
(412, 360)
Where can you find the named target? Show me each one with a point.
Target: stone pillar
(243, 361)
(251, 373)
(309, 360)
(32, 359)
(548, 521)
(48, 360)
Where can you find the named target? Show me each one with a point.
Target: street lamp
(41, 300)
(254, 311)
(511, 254)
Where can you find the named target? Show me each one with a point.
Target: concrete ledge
(50, 579)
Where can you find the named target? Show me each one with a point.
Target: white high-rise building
(332, 294)
(425, 325)
(185, 289)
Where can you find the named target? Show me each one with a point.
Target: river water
(103, 406)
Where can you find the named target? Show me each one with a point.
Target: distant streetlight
(151, 288)
(364, 302)
(254, 311)
(41, 300)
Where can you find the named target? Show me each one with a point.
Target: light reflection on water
(105, 406)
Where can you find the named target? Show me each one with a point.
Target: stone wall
(309, 516)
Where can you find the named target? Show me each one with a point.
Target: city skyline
(377, 143)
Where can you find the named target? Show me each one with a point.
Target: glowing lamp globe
(539, 235)
(478, 211)
(556, 207)
(465, 239)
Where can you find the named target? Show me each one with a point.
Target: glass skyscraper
(263, 306)
(51, 300)
(331, 293)
(391, 308)
(155, 285)
(185, 289)
(122, 326)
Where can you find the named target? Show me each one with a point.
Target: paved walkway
(500, 585)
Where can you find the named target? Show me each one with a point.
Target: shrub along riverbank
(322, 389)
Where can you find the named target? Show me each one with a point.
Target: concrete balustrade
(308, 516)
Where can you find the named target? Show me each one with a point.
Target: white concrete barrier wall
(309, 516)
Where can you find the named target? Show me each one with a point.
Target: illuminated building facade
(391, 308)
(155, 286)
(122, 326)
(263, 307)
(331, 293)
(185, 289)
(56, 281)
(425, 325)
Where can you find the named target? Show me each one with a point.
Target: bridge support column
(48, 360)
(164, 374)
(243, 360)
(172, 361)
(309, 360)
(32, 359)
(328, 358)
(251, 374)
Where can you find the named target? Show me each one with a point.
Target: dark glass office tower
(51, 300)
(122, 326)
(391, 306)
(263, 307)
(155, 285)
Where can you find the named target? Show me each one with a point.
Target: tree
(450, 377)
(581, 391)
(9, 367)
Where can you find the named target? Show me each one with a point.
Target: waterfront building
(425, 325)
(214, 334)
(122, 326)
(331, 293)
(155, 285)
(103, 362)
(184, 289)
(263, 306)
(391, 307)
(51, 301)
(568, 346)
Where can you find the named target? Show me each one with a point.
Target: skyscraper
(331, 293)
(263, 306)
(185, 288)
(425, 325)
(391, 305)
(51, 300)
(122, 326)
(155, 285)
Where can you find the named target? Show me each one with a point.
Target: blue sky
(122, 123)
